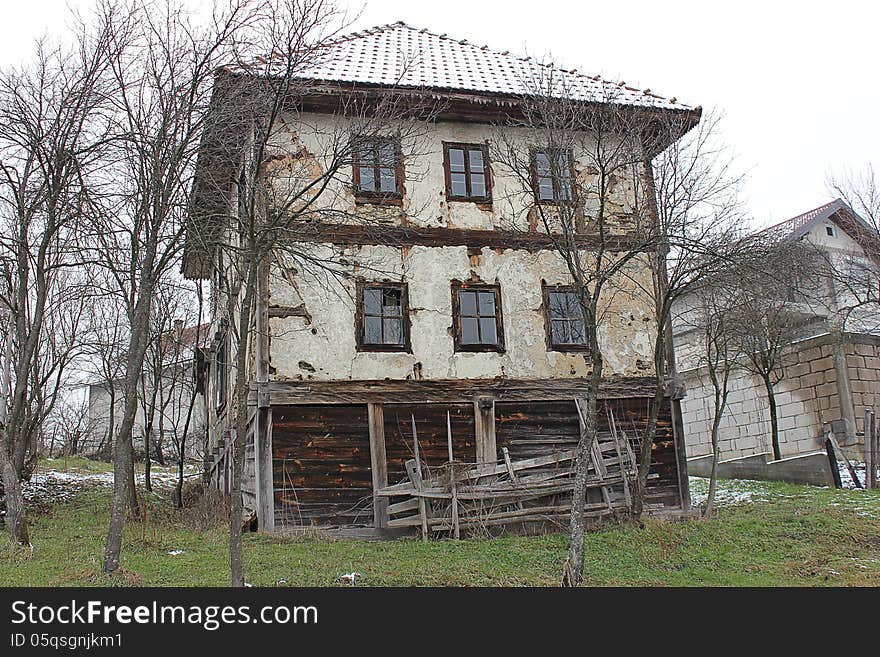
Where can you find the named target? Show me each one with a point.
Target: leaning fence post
(455, 527)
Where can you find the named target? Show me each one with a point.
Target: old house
(830, 374)
(453, 304)
(171, 403)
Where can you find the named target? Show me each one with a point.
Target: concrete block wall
(807, 398)
(863, 365)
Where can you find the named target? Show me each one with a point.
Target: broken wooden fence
(526, 494)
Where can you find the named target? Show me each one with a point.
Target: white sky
(797, 80)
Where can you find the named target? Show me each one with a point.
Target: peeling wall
(325, 341)
(320, 343)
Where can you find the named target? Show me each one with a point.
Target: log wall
(321, 453)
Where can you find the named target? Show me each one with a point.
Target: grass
(78, 464)
(783, 535)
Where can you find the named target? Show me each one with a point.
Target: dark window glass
(466, 172)
(375, 170)
(478, 317)
(566, 320)
(383, 316)
(552, 175)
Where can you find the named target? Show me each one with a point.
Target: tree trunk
(123, 461)
(147, 483)
(16, 516)
(573, 571)
(774, 420)
(713, 474)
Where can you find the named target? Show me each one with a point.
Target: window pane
(458, 184)
(467, 302)
(367, 155)
(390, 302)
(393, 331)
(373, 330)
(469, 334)
(545, 189)
(478, 184)
(373, 301)
(542, 164)
(366, 180)
(572, 307)
(487, 330)
(487, 304)
(389, 180)
(557, 304)
(578, 336)
(559, 332)
(476, 160)
(456, 159)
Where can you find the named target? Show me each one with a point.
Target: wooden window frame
(458, 286)
(447, 169)
(536, 190)
(548, 326)
(360, 316)
(373, 197)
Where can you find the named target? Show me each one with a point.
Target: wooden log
(840, 454)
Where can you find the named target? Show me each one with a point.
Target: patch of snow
(174, 553)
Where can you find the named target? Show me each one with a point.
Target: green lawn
(771, 534)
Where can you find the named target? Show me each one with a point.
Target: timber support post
(378, 463)
(484, 427)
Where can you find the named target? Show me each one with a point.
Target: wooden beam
(445, 391)
(357, 234)
(484, 427)
(378, 463)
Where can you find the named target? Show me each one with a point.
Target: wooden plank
(452, 482)
(416, 478)
(378, 463)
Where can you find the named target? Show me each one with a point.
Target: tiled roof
(795, 224)
(403, 56)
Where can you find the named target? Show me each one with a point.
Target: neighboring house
(467, 318)
(163, 410)
(831, 372)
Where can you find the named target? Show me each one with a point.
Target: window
(467, 176)
(565, 322)
(382, 317)
(377, 170)
(829, 230)
(552, 173)
(477, 316)
(220, 372)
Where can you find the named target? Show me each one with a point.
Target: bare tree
(586, 192)
(693, 191)
(778, 285)
(162, 72)
(718, 353)
(52, 134)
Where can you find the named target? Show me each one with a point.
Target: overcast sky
(797, 80)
